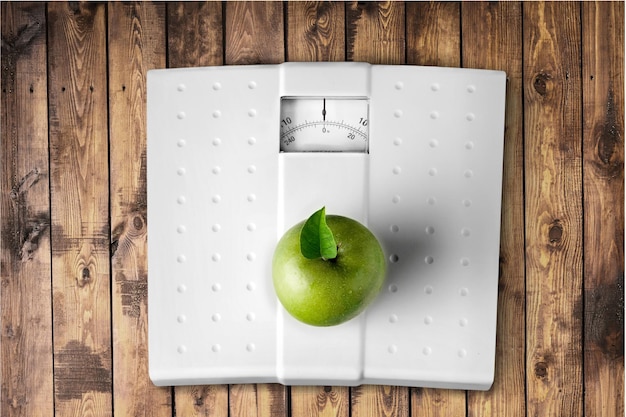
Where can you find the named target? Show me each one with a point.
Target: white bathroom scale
(239, 154)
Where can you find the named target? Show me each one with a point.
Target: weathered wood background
(73, 285)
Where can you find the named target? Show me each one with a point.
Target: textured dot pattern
(428, 169)
(205, 207)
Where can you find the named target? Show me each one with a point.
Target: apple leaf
(316, 238)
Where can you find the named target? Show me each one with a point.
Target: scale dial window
(324, 124)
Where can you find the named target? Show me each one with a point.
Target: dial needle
(324, 111)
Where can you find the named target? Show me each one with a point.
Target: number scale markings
(302, 130)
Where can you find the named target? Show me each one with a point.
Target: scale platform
(234, 157)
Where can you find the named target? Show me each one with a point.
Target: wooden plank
(258, 400)
(202, 400)
(429, 402)
(79, 180)
(375, 32)
(553, 178)
(492, 39)
(379, 400)
(194, 38)
(136, 44)
(433, 33)
(318, 401)
(194, 34)
(316, 31)
(603, 175)
(25, 274)
(254, 33)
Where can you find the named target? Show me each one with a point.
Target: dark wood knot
(555, 234)
(541, 370)
(541, 82)
(85, 277)
(138, 222)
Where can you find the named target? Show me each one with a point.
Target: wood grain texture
(433, 33)
(25, 280)
(258, 400)
(380, 401)
(322, 401)
(375, 32)
(492, 39)
(194, 34)
(201, 401)
(316, 31)
(254, 33)
(72, 306)
(80, 208)
(136, 44)
(429, 402)
(553, 181)
(603, 150)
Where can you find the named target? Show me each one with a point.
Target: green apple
(333, 282)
